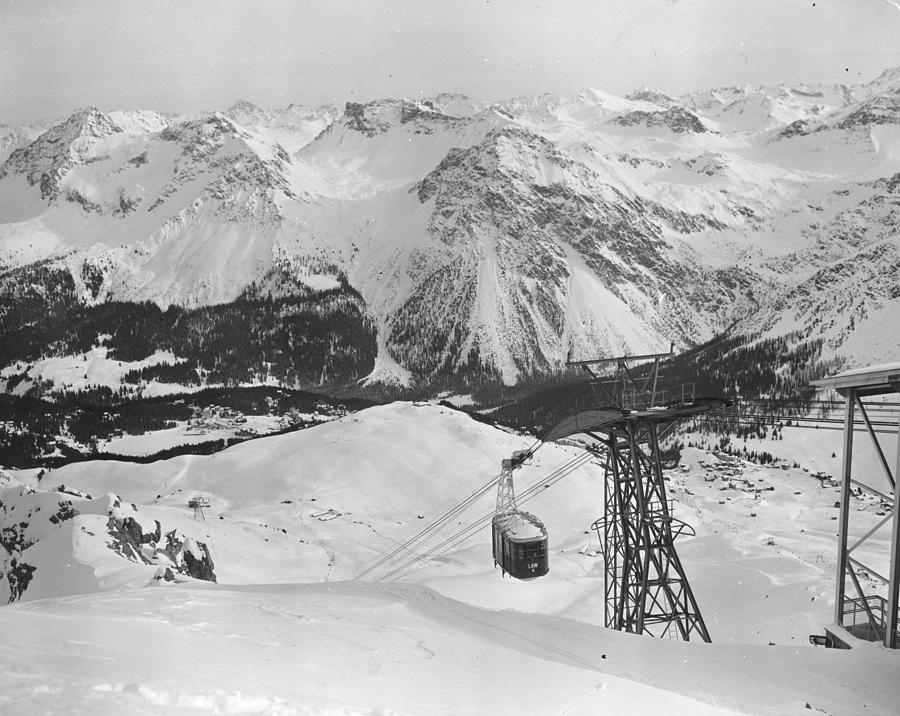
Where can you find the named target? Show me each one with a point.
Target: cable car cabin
(520, 545)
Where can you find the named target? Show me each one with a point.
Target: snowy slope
(325, 503)
(292, 127)
(361, 649)
(159, 215)
(317, 506)
(14, 136)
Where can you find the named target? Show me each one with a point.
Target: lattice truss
(647, 590)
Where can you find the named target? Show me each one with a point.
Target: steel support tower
(867, 610)
(506, 494)
(646, 588)
(198, 504)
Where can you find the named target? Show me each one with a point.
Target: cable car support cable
(461, 506)
(406, 546)
(471, 528)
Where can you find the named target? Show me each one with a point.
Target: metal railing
(866, 618)
(634, 399)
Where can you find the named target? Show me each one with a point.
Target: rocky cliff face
(882, 108)
(849, 269)
(13, 137)
(167, 551)
(61, 535)
(516, 218)
(677, 119)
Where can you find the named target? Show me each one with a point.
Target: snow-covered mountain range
(507, 236)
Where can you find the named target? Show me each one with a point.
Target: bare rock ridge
(185, 555)
(677, 119)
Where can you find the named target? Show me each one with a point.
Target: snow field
(286, 630)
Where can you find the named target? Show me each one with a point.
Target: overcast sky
(187, 55)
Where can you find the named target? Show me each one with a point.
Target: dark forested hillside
(31, 428)
(298, 340)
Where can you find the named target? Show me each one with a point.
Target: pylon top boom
(621, 359)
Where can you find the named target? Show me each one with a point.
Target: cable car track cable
(462, 535)
(470, 529)
(440, 521)
(434, 525)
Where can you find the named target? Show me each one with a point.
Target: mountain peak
(207, 130)
(50, 157)
(243, 105)
(379, 116)
(86, 122)
(677, 119)
(247, 113)
(645, 94)
(879, 108)
(139, 121)
(456, 104)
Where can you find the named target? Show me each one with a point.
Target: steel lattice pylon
(647, 591)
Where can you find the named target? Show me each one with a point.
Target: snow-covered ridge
(570, 226)
(50, 157)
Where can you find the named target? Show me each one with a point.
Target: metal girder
(844, 517)
(875, 443)
(646, 590)
(891, 639)
(622, 359)
(595, 419)
(883, 622)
